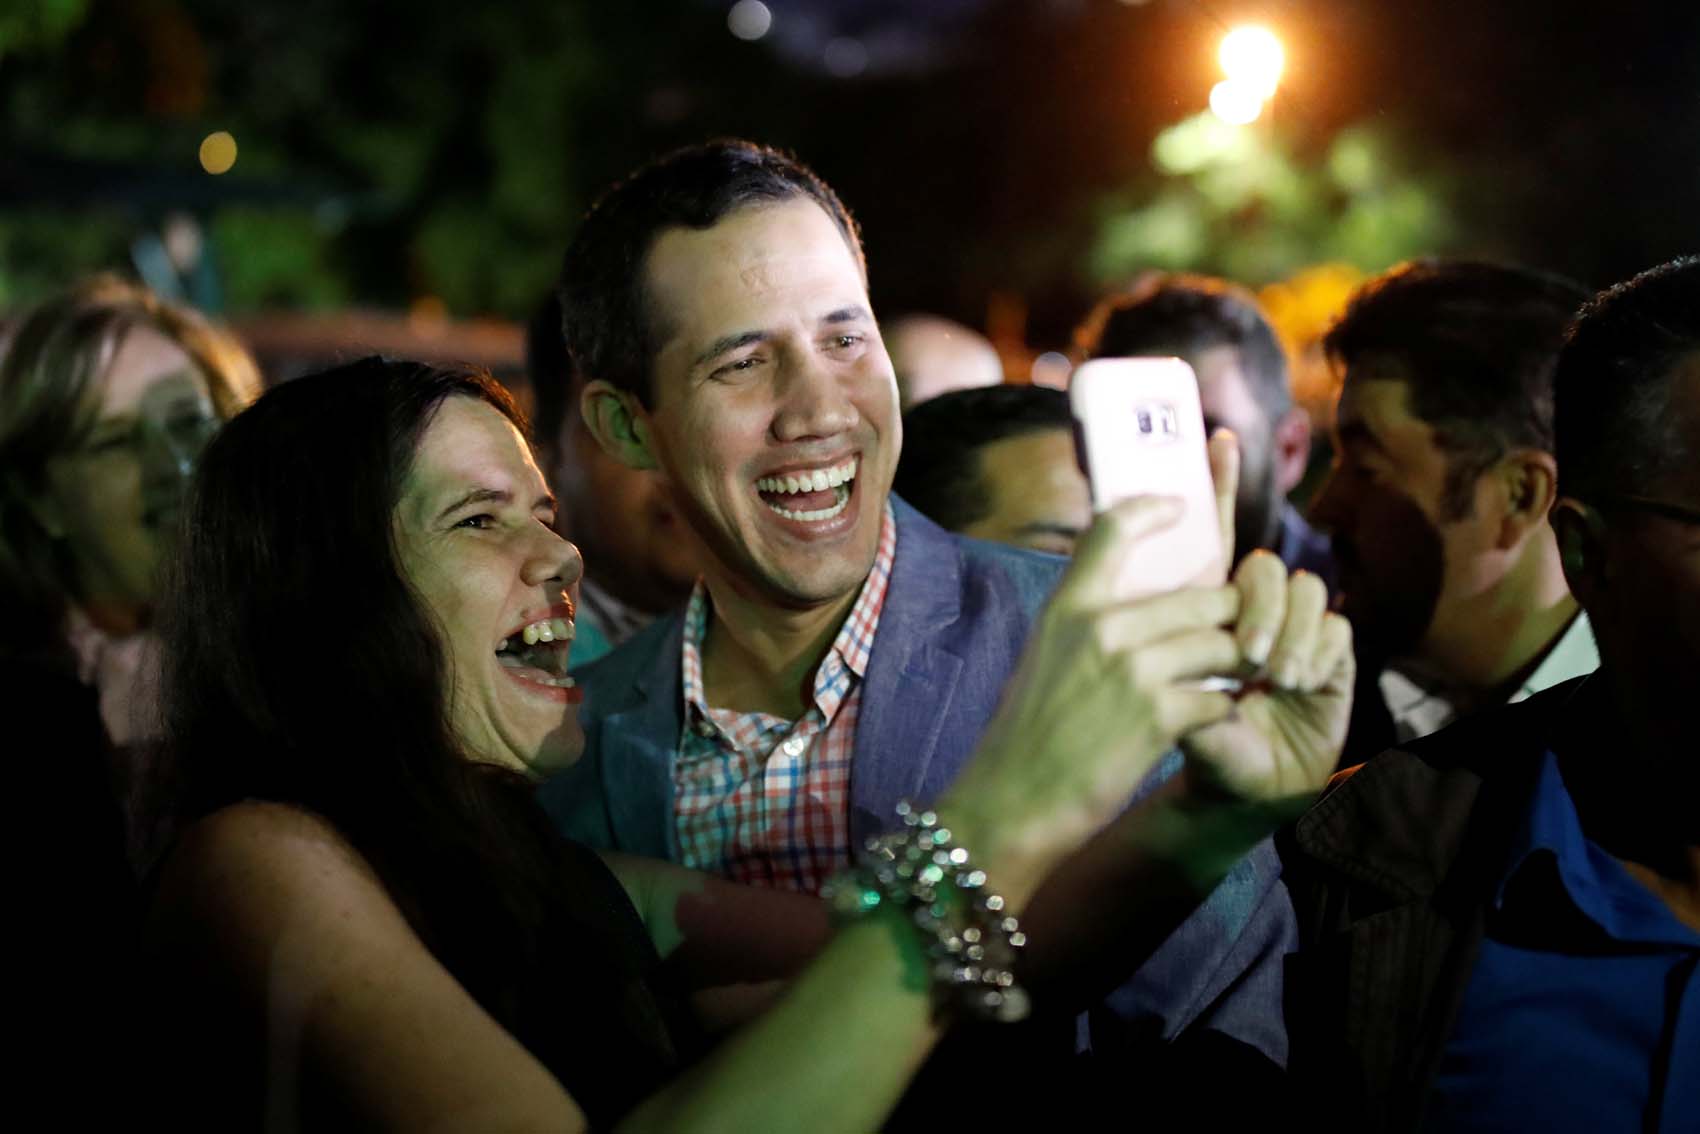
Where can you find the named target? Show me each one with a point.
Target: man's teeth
(838, 505)
(818, 480)
(545, 630)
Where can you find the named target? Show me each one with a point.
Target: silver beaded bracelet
(971, 940)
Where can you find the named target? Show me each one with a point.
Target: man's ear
(1290, 441)
(1528, 482)
(1581, 535)
(619, 423)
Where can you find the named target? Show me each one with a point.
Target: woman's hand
(1282, 740)
(1104, 688)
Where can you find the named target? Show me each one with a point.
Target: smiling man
(841, 652)
(834, 628)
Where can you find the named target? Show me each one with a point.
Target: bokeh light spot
(749, 19)
(218, 152)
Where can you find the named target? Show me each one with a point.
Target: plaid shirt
(765, 800)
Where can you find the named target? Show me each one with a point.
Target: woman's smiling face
(472, 529)
(115, 497)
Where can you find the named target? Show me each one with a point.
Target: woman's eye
(112, 444)
(845, 342)
(480, 522)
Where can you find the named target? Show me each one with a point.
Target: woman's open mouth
(538, 653)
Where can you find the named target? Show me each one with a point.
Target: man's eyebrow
(855, 313)
(730, 342)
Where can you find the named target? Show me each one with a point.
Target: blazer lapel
(639, 738)
(911, 680)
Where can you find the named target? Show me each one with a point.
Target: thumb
(1224, 449)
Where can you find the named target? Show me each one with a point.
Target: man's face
(1038, 498)
(774, 410)
(624, 521)
(1408, 569)
(1224, 392)
(1647, 615)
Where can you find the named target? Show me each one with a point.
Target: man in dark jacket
(1500, 924)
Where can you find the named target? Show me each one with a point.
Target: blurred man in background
(1437, 503)
(997, 463)
(932, 355)
(638, 561)
(1216, 329)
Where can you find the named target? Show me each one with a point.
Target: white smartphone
(1139, 430)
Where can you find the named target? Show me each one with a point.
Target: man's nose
(815, 400)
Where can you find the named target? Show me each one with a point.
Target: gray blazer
(955, 617)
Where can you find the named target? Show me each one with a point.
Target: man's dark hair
(608, 320)
(1186, 315)
(1475, 344)
(1615, 431)
(939, 471)
(550, 371)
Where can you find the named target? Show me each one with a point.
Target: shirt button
(704, 728)
(795, 746)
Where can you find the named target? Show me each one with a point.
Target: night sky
(973, 138)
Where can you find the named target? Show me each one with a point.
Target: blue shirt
(1583, 1010)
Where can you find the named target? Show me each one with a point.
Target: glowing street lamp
(1253, 56)
(1235, 103)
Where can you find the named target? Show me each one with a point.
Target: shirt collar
(1419, 710)
(1573, 655)
(851, 649)
(1595, 884)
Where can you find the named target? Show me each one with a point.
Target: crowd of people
(761, 735)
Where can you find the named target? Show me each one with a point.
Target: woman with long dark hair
(366, 917)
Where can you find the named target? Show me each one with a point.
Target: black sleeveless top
(593, 1010)
(582, 993)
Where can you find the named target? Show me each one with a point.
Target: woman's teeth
(562, 682)
(544, 630)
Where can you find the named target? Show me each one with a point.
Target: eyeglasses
(1681, 513)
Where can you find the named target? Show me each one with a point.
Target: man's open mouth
(810, 495)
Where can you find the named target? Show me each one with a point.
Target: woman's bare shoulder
(256, 869)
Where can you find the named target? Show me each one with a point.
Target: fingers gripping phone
(1139, 430)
